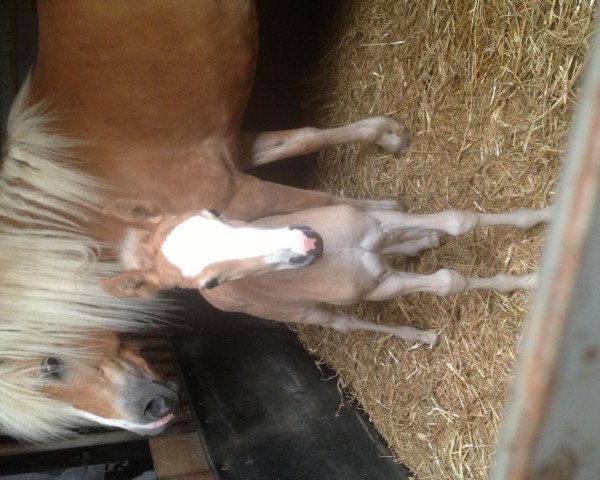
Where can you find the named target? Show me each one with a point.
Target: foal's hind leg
(344, 322)
(446, 282)
(266, 147)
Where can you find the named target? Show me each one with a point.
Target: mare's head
(59, 368)
(200, 249)
(101, 381)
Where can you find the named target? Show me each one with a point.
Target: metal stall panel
(552, 425)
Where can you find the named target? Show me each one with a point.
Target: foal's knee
(459, 222)
(449, 282)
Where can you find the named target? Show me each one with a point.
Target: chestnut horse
(141, 99)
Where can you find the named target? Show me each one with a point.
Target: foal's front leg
(406, 229)
(400, 227)
(266, 147)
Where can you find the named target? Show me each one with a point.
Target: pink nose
(312, 243)
(309, 244)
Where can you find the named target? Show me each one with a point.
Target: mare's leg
(266, 147)
(446, 282)
(399, 227)
(344, 322)
(256, 198)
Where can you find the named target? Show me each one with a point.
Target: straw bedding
(487, 91)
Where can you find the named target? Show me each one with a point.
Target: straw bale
(487, 90)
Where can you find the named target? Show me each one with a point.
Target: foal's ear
(134, 284)
(138, 212)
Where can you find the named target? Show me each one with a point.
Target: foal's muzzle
(313, 244)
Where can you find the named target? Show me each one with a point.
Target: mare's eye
(52, 367)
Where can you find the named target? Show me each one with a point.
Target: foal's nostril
(300, 260)
(317, 250)
(158, 407)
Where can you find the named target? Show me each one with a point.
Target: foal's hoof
(430, 338)
(530, 281)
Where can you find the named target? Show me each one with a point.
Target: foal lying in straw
(281, 267)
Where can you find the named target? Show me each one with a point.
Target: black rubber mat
(268, 411)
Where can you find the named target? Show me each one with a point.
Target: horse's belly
(146, 71)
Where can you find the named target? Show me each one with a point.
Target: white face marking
(139, 428)
(199, 242)
(128, 253)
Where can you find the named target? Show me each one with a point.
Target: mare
(141, 99)
(282, 267)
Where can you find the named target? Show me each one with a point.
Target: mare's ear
(138, 212)
(134, 284)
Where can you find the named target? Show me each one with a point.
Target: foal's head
(200, 249)
(101, 381)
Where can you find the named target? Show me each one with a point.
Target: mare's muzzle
(149, 400)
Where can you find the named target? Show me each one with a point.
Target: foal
(281, 267)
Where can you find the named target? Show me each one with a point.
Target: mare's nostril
(170, 385)
(158, 407)
(173, 387)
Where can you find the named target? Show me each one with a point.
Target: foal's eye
(213, 212)
(52, 367)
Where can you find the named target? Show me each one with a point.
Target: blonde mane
(49, 297)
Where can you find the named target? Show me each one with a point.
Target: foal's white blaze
(198, 242)
(128, 252)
